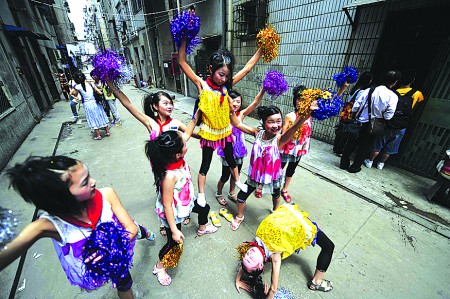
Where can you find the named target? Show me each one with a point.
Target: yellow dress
(286, 230)
(215, 115)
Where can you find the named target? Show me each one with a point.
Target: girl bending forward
(285, 231)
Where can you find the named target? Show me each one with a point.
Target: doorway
(417, 39)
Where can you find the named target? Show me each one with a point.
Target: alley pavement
(390, 241)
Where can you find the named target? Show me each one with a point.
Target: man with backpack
(389, 142)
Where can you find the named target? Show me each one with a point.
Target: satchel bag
(377, 125)
(351, 129)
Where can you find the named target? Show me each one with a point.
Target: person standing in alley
(389, 142)
(64, 84)
(95, 115)
(383, 102)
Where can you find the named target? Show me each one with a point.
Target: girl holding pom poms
(175, 195)
(265, 170)
(284, 232)
(215, 129)
(239, 149)
(73, 210)
(298, 146)
(158, 108)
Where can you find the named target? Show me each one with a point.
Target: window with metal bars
(5, 103)
(249, 18)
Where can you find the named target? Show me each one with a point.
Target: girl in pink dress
(175, 191)
(73, 207)
(265, 169)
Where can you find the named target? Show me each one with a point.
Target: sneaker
(112, 124)
(368, 163)
(380, 165)
(118, 124)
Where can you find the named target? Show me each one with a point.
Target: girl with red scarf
(73, 207)
(215, 127)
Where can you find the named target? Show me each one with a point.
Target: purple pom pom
(283, 293)
(108, 65)
(186, 25)
(111, 241)
(349, 75)
(328, 107)
(8, 226)
(275, 84)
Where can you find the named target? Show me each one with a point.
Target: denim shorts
(389, 141)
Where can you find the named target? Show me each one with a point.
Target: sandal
(150, 236)
(287, 198)
(320, 287)
(232, 197)
(108, 134)
(187, 220)
(163, 278)
(209, 229)
(258, 192)
(225, 214)
(215, 221)
(235, 225)
(221, 199)
(98, 138)
(162, 230)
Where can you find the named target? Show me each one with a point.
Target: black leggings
(202, 219)
(242, 196)
(226, 172)
(125, 283)
(326, 252)
(290, 170)
(207, 153)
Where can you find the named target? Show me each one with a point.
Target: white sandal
(235, 225)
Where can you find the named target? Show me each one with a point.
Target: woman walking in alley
(95, 115)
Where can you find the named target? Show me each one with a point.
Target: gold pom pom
(306, 98)
(242, 250)
(268, 40)
(172, 258)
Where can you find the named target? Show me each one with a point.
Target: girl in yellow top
(285, 231)
(215, 129)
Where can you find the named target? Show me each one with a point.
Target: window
(5, 103)
(250, 18)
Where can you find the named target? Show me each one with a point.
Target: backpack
(403, 112)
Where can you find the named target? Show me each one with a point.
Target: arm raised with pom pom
(248, 66)
(186, 67)
(147, 121)
(286, 136)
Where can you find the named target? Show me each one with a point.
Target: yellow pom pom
(172, 258)
(242, 250)
(307, 97)
(268, 40)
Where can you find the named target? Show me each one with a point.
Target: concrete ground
(390, 242)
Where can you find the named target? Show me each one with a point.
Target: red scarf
(254, 244)
(175, 165)
(161, 125)
(216, 87)
(94, 207)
